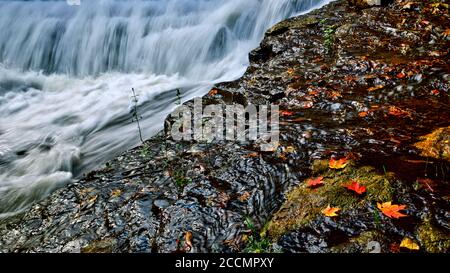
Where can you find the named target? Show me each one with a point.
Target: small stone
(161, 203)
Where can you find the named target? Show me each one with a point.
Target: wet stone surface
(366, 84)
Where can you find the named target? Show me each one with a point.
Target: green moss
(296, 23)
(436, 144)
(319, 166)
(102, 246)
(360, 243)
(433, 239)
(304, 204)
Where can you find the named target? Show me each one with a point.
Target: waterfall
(66, 73)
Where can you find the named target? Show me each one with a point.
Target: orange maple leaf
(356, 187)
(375, 88)
(446, 33)
(338, 164)
(363, 114)
(397, 112)
(391, 211)
(330, 212)
(315, 182)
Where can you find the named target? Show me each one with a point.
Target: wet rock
(369, 3)
(106, 245)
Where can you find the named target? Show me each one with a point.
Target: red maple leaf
(401, 75)
(356, 187)
(286, 113)
(312, 183)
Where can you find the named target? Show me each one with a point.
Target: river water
(66, 74)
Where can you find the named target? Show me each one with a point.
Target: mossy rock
(106, 245)
(304, 205)
(436, 144)
(364, 242)
(295, 23)
(433, 239)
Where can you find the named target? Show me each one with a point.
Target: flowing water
(66, 74)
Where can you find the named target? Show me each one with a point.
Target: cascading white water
(66, 74)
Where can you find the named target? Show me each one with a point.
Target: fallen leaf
(395, 140)
(88, 203)
(251, 155)
(286, 113)
(188, 240)
(370, 76)
(290, 71)
(397, 112)
(318, 59)
(313, 93)
(334, 95)
(409, 244)
(363, 114)
(401, 75)
(236, 242)
(446, 33)
(435, 53)
(350, 78)
(289, 149)
(375, 88)
(244, 197)
(93, 199)
(116, 193)
(394, 248)
(300, 120)
(213, 92)
(338, 164)
(391, 211)
(307, 104)
(86, 191)
(330, 212)
(356, 187)
(222, 199)
(314, 182)
(408, 5)
(435, 92)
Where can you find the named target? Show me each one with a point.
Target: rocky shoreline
(367, 84)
